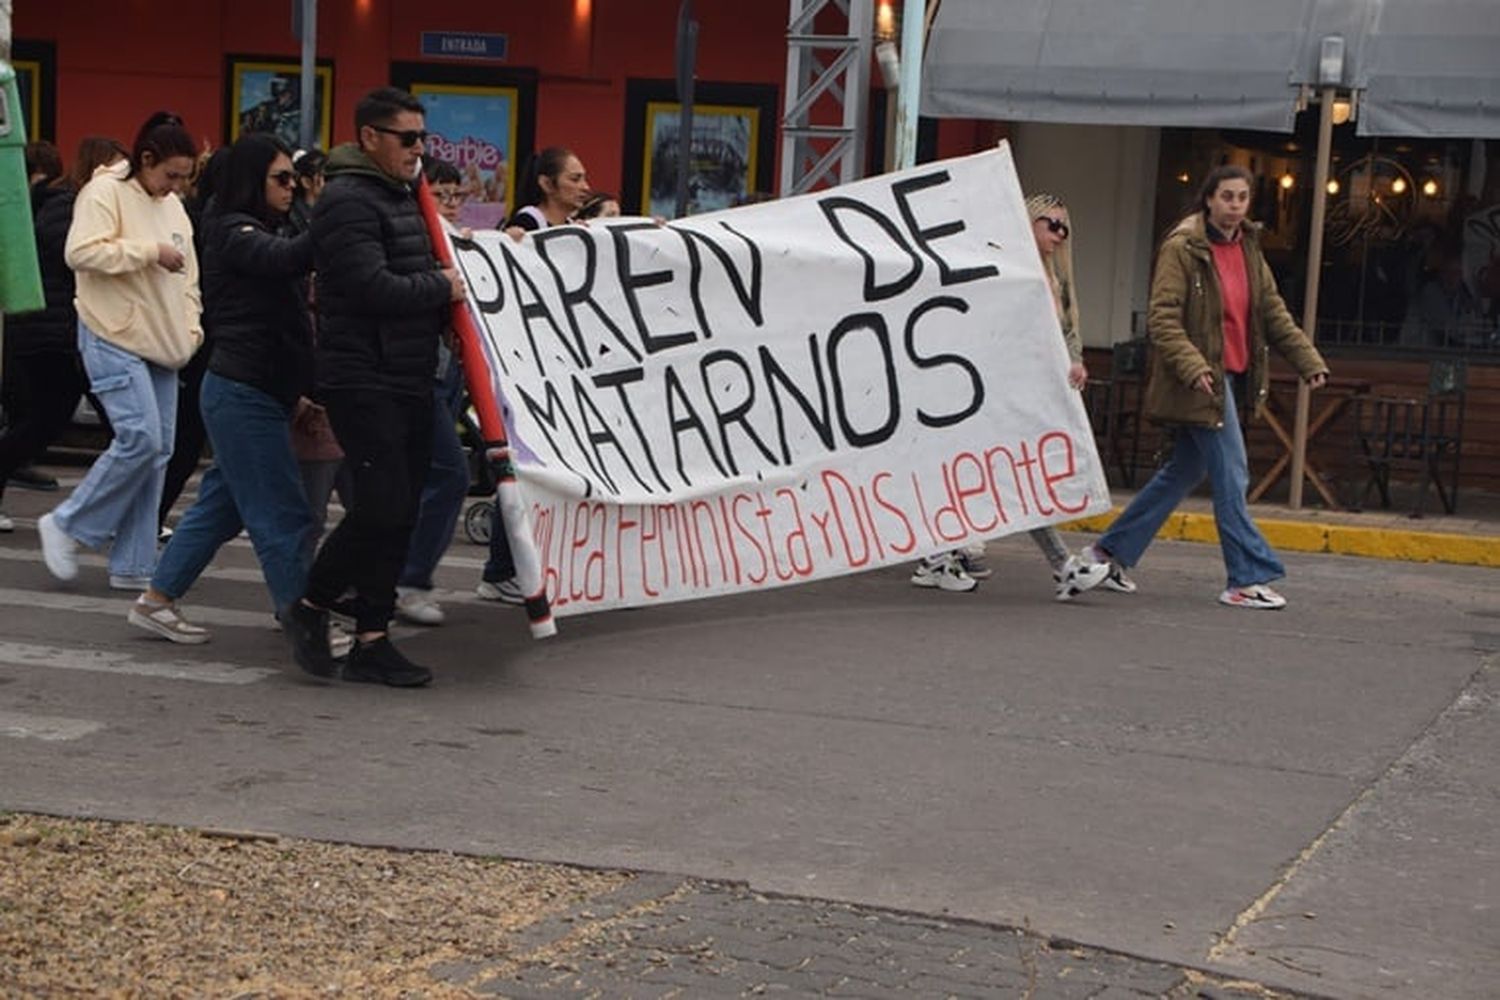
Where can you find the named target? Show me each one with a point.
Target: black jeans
(187, 445)
(387, 442)
(45, 389)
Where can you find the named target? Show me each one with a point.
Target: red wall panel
(119, 60)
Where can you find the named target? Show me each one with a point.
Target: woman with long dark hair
(1214, 312)
(553, 188)
(41, 348)
(130, 246)
(261, 366)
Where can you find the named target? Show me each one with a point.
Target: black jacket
(382, 302)
(54, 330)
(255, 294)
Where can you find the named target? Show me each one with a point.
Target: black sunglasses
(407, 137)
(1055, 225)
(285, 178)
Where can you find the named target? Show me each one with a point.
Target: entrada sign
(464, 45)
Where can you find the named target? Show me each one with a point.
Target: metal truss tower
(827, 86)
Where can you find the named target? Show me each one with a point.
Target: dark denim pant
(255, 483)
(1220, 453)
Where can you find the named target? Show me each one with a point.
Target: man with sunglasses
(382, 304)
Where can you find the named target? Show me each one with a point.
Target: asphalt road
(1306, 798)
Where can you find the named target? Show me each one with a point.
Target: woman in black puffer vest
(259, 374)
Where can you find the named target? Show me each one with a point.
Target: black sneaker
(306, 629)
(28, 478)
(379, 662)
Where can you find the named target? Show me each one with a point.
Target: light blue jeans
(255, 483)
(117, 500)
(1248, 558)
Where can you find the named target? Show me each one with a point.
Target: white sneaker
(944, 572)
(1257, 595)
(6, 524)
(340, 640)
(136, 583)
(418, 606)
(506, 591)
(164, 620)
(1118, 581)
(1079, 573)
(59, 550)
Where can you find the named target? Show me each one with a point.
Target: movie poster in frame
(35, 64)
(733, 149)
(482, 121)
(264, 94)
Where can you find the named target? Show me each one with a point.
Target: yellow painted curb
(1339, 539)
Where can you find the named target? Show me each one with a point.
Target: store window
(1411, 259)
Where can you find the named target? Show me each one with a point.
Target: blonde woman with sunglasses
(961, 570)
(1052, 228)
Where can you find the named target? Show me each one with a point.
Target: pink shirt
(1234, 286)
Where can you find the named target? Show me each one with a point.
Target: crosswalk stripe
(224, 573)
(24, 654)
(49, 728)
(235, 573)
(52, 600)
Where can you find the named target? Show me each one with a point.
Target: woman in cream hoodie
(131, 247)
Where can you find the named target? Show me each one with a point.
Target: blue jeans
(117, 499)
(1248, 558)
(254, 483)
(444, 489)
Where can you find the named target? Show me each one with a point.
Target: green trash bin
(20, 276)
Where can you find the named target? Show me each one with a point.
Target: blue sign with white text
(464, 45)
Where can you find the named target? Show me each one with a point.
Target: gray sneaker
(504, 591)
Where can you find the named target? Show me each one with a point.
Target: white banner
(786, 391)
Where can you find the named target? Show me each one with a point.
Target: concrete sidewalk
(1468, 538)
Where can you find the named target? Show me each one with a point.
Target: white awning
(1424, 67)
(1431, 68)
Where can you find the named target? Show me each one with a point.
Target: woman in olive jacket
(1214, 313)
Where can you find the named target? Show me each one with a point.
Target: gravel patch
(92, 908)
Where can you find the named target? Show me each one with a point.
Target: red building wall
(119, 60)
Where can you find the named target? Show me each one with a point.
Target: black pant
(45, 389)
(187, 445)
(387, 442)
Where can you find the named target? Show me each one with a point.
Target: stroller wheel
(477, 522)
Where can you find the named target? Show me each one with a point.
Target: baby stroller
(480, 515)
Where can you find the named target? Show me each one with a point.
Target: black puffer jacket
(255, 294)
(54, 330)
(382, 302)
